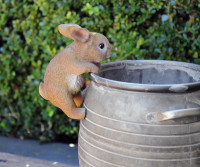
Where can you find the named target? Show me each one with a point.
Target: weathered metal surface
(128, 107)
(174, 114)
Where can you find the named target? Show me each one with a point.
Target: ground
(28, 153)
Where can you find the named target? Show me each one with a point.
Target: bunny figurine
(63, 77)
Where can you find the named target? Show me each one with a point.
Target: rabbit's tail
(42, 91)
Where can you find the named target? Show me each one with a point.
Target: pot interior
(151, 72)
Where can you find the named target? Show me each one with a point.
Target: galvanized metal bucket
(142, 114)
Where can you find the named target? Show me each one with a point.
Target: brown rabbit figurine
(63, 77)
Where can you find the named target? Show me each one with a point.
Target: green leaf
(140, 42)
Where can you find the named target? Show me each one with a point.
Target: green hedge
(29, 39)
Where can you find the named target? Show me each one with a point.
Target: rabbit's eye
(101, 45)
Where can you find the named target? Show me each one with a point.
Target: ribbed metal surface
(116, 132)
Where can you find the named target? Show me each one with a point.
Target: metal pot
(142, 114)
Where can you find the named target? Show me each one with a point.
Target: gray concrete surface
(54, 152)
(10, 160)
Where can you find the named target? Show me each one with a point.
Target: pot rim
(172, 88)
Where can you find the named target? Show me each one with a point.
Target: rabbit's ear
(74, 32)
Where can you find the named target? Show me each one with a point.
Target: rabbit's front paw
(95, 70)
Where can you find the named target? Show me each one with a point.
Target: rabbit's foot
(78, 113)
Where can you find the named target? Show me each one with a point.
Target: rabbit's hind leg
(71, 110)
(78, 99)
(64, 101)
